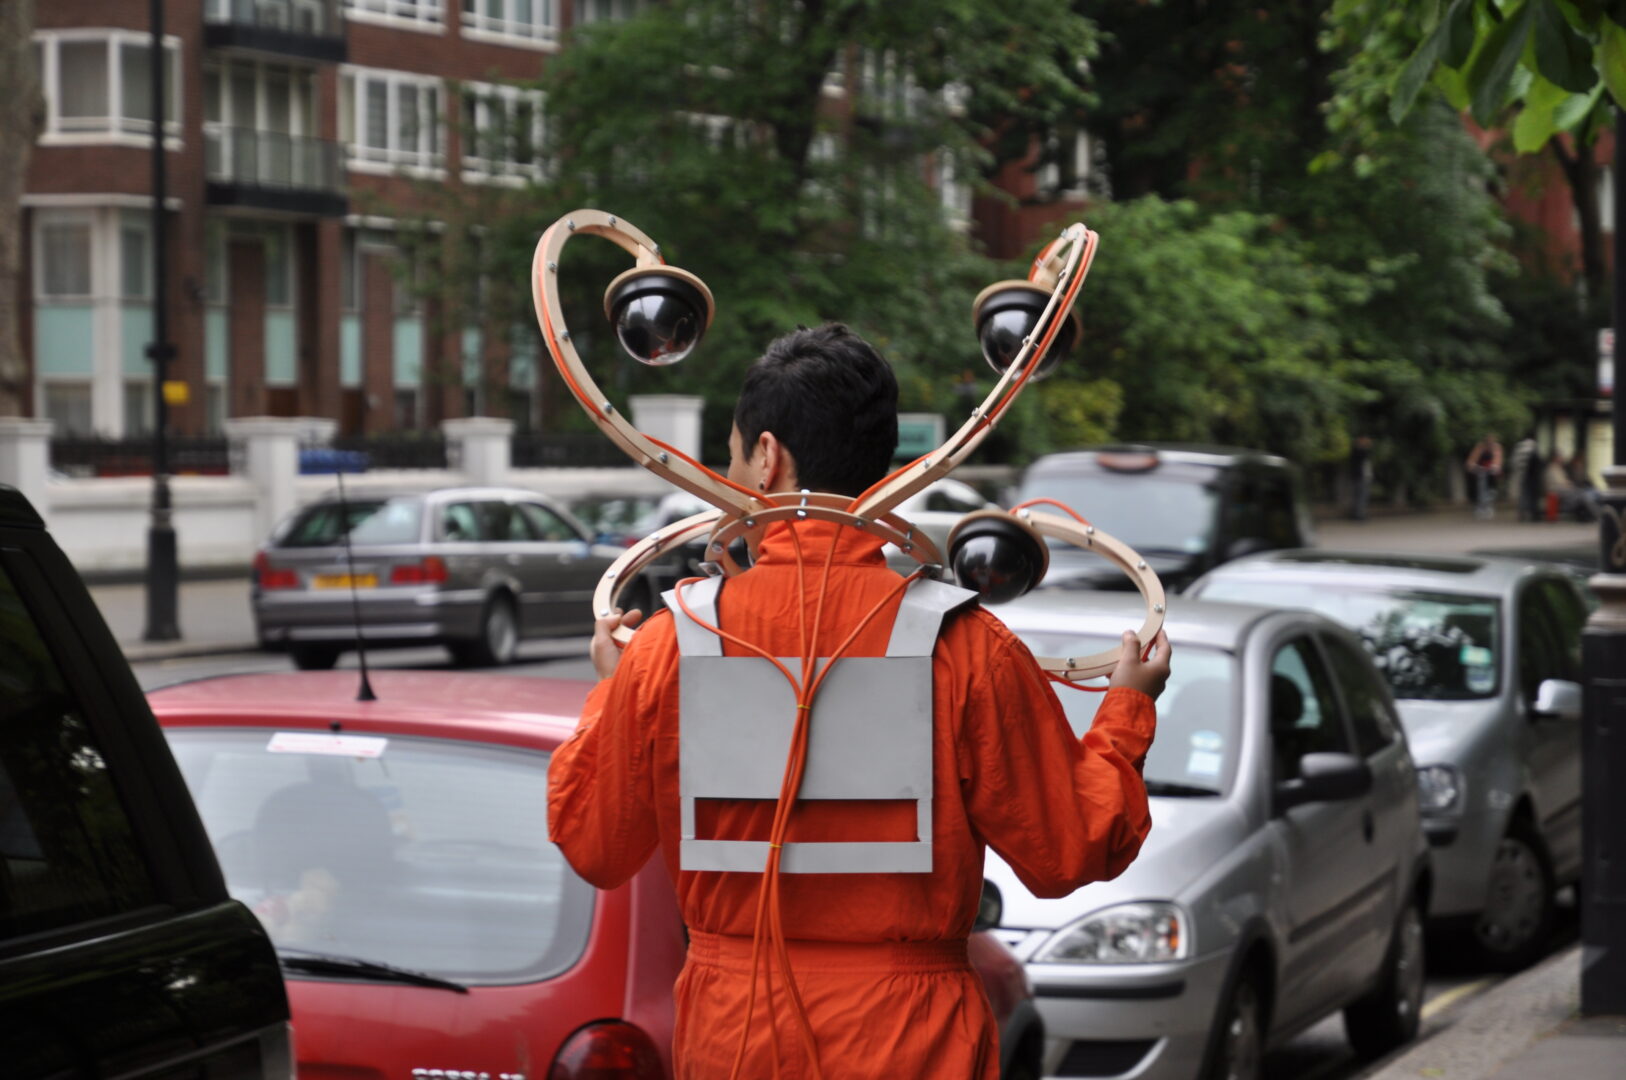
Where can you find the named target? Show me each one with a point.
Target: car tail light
(271, 577)
(611, 1050)
(431, 571)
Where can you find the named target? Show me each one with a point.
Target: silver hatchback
(474, 569)
(1285, 875)
(1484, 657)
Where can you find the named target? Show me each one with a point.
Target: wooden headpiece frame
(1060, 268)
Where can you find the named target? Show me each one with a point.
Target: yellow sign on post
(177, 392)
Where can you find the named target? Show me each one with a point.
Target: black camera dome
(659, 314)
(1006, 314)
(997, 556)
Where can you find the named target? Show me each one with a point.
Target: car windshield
(1437, 645)
(1152, 512)
(426, 854)
(369, 521)
(1198, 734)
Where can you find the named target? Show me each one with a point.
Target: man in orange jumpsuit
(879, 958)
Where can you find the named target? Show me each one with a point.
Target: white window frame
(542, 32)
(420, 161)
(422, 16)
(119, 130)
(477, 169)
(303, 97)
(1049, 175)
(79, 219)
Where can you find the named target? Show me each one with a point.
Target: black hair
(831, 399)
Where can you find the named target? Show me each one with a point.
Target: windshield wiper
(1179, 791)
(306, 962)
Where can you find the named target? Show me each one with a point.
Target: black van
(1184, 508)
(120, 952)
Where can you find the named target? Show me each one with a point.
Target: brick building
(289, 125)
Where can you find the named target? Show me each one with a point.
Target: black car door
(120, 951)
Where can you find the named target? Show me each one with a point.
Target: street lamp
(1603, 739)
(162, 624)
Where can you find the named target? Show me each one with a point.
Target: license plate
(344, 581)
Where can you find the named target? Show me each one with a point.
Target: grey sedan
(1285, 875)
(1484, 656)
(474, 569)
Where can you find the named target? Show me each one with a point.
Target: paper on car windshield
(321, 742)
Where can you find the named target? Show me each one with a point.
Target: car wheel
(1512, 931)
(314, 657)
(498, 640)
(1388, 1017)
(1240, 1051)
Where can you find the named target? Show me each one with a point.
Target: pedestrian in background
(1484, 466)
(1360, 476)
(1526, 477)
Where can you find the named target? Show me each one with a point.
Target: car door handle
(514, 559)
(1366, 825)
(566, 559)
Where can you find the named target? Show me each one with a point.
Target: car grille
(1104, 1057)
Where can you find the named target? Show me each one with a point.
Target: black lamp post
(1603, 739)
(162, 570)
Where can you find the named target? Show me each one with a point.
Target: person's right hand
(1148, 676)
(604, 650)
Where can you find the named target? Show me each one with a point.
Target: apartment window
(67, 404)
(135, 259)
(98, 85)
(408, 14)
(597, 11)
(528, 22)
(138, 407)
(64, 256)
(390, 120)
(502, 131)
(1066, 169)
(954, 193)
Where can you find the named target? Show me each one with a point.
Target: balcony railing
(271, 159)
(312, 29)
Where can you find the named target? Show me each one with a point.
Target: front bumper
(1140, 1021)
(403, 614)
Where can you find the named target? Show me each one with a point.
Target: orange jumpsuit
(880, 958)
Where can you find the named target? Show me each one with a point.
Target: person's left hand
(604, 650)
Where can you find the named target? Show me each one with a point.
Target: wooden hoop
(1126, 559)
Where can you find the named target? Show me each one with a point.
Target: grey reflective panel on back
(869, 736)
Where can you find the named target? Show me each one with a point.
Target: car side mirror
(1324, 778)
(1557, 698)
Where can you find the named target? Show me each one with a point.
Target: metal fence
(563, 450)
(189, 455)
(320, 17)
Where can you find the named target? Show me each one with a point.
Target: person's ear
(771, 455)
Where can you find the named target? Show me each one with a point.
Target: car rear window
(1198, 734)
(428, 854)
(1436, 645)
(1153, 512)
(369, 521)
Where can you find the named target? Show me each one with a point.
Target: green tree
(720, 129)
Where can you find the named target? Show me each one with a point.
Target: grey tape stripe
(920, 616)
(751, 857)
(693, 639)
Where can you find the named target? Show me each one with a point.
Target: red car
(396, 851)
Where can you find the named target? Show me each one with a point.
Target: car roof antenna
(365, 692)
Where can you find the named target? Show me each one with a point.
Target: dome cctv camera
(659, 313)
(996, 555)
(1006, 313)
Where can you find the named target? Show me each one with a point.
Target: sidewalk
(214, 618)
(1524, 1028)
